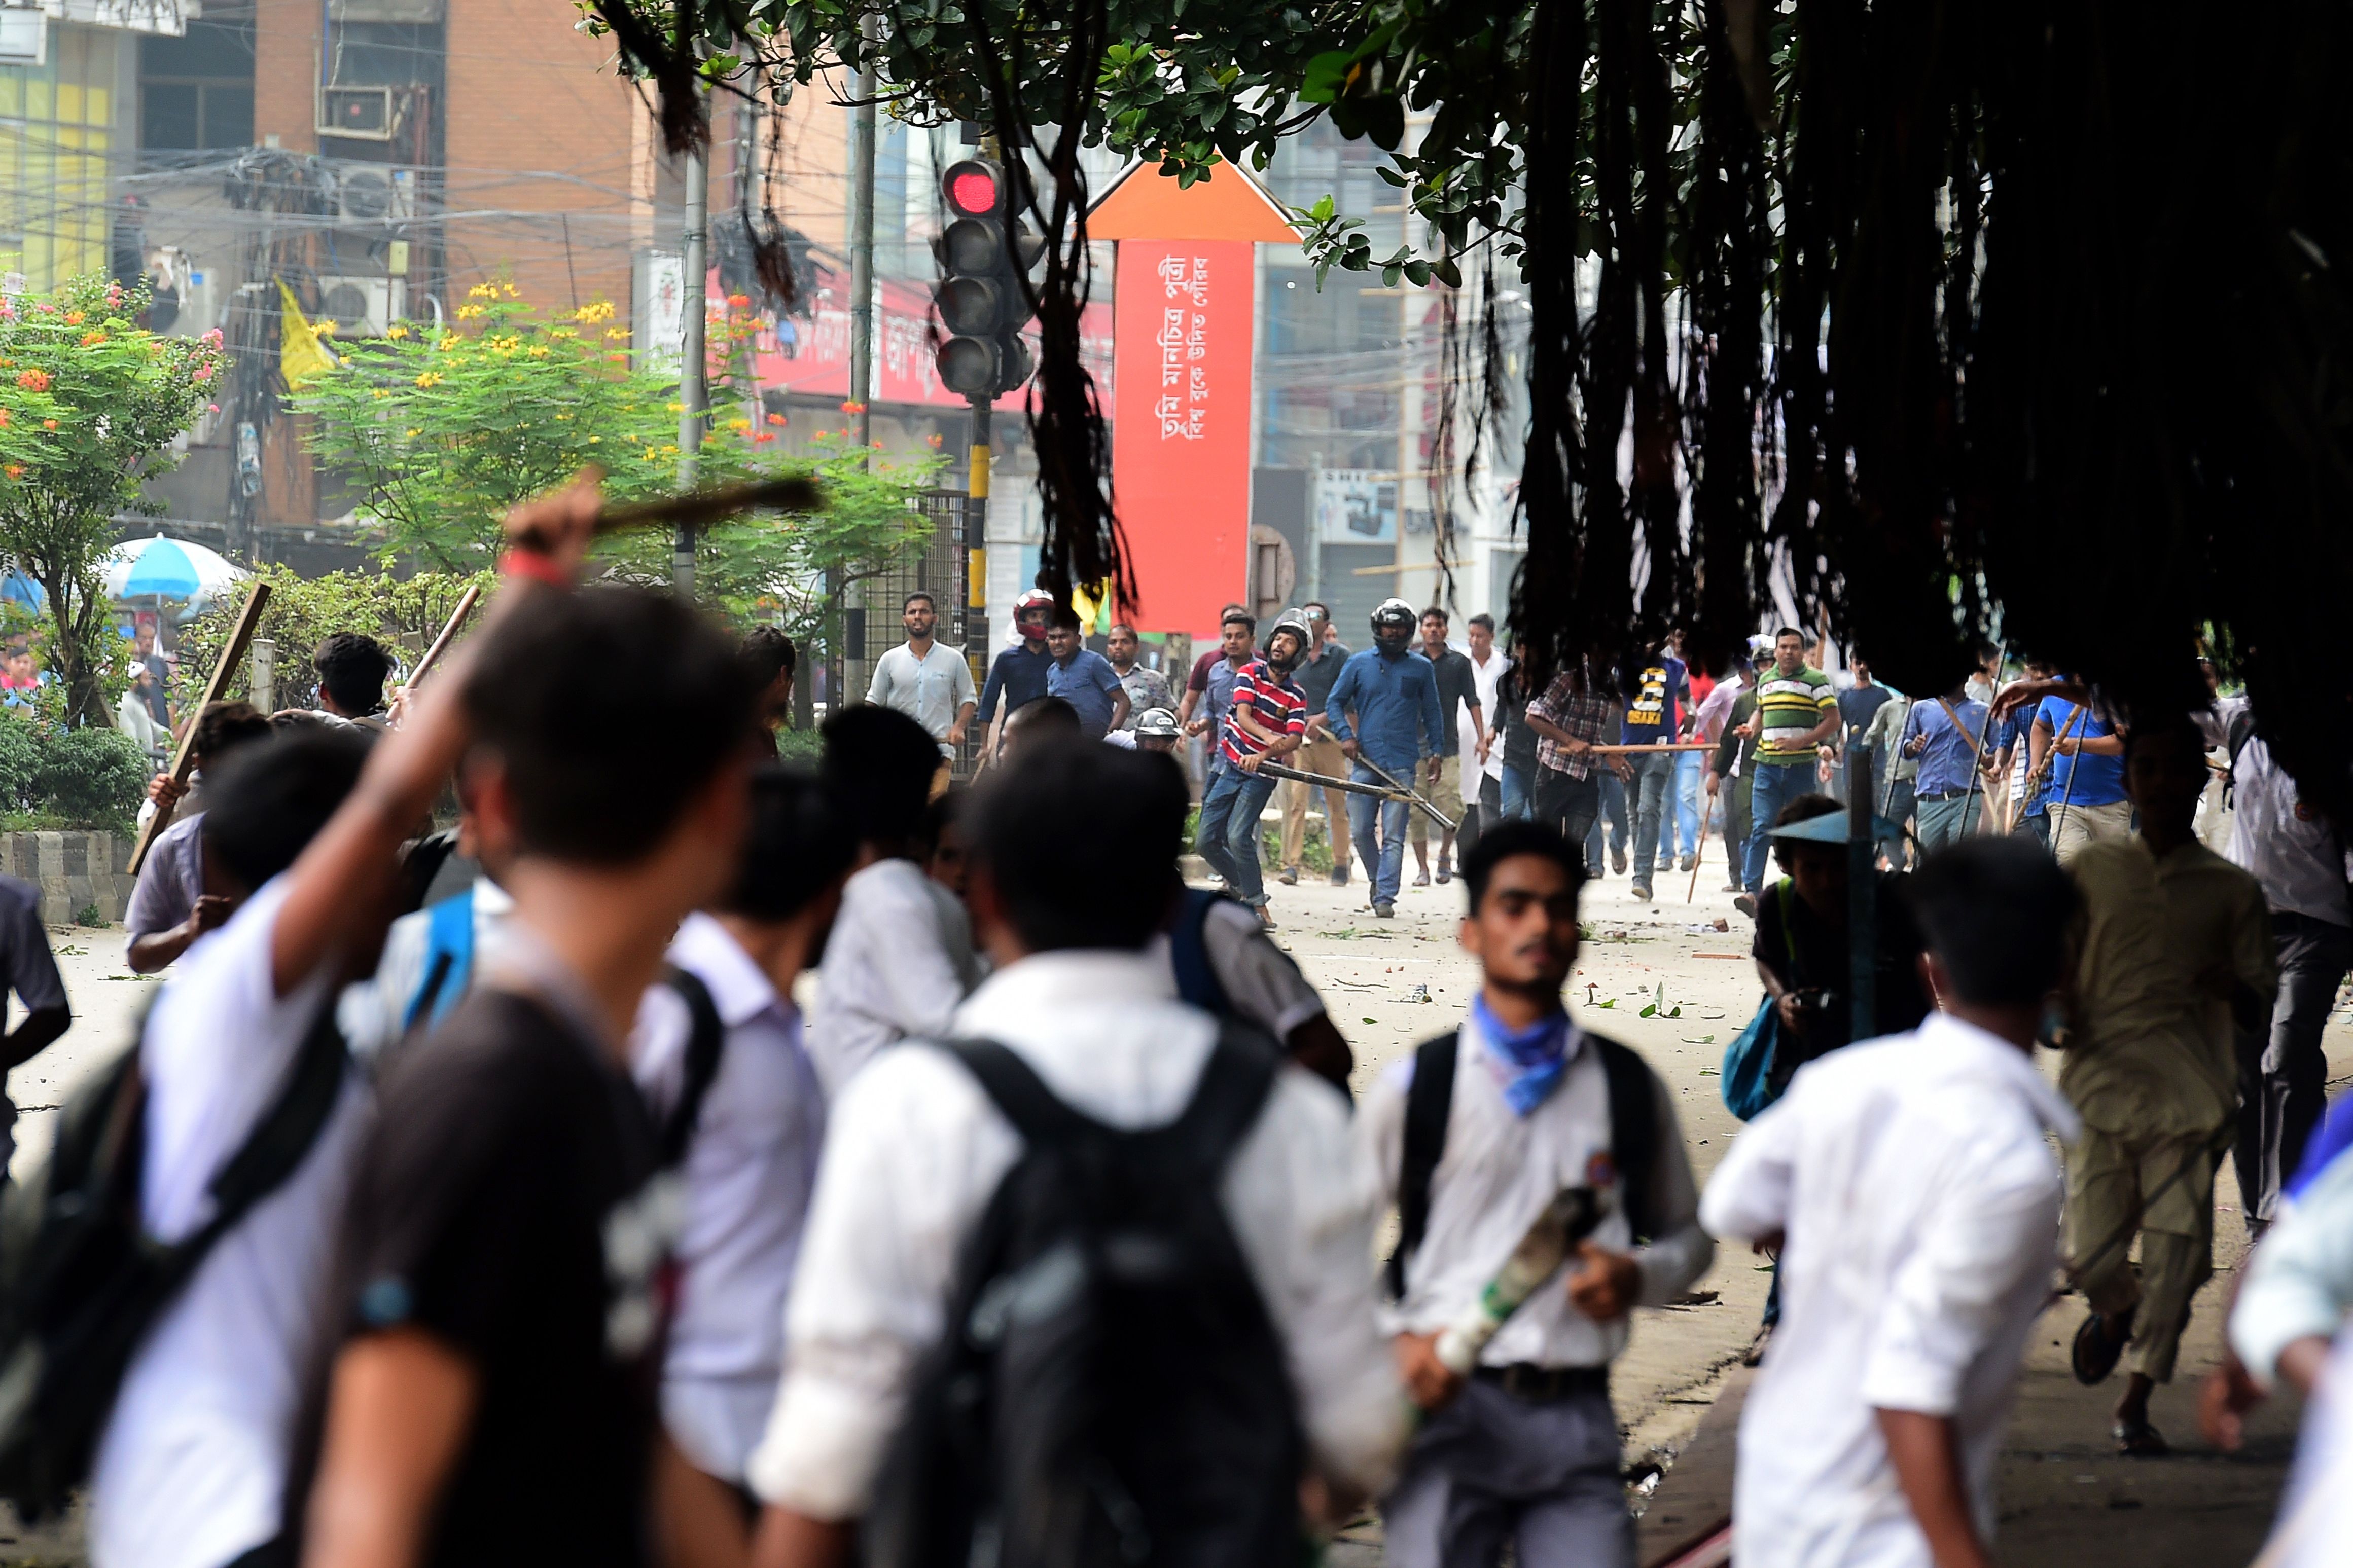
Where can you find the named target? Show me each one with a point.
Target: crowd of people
(507, 1206)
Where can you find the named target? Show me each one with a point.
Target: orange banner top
(1144, 204)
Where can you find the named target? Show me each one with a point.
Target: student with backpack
(1475, 1136)
(718, 1051)
(501, 1260)
(1086, 1281)
(238, 1062)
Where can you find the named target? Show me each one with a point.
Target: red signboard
(1180, 433)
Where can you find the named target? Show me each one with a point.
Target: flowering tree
(444, 428)
(90, 405)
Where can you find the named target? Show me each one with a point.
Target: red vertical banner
(1181, 426)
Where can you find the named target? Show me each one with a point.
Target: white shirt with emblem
(1920, 1199)
(1499, 1171)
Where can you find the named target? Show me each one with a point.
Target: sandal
(2139, 1440)
(2095, 1355)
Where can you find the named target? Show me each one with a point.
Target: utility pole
(693, 395)
(861, 334)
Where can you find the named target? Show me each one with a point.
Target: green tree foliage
(90, 402)
(55, 777)
(303, 612)
(446, 428)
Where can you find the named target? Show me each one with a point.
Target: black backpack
(1430, 1098)
(1110, 1390)
(81, 1280)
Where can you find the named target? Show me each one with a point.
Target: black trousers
(2284, 1075)
(1570, 804)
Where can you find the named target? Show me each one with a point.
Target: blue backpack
(1748, 1060)
(448, 962)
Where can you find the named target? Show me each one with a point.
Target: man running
(1797, 714)
(1266, 723)
(1393, 693)
(1320, 754)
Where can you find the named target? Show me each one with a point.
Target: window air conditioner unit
(362, 307)
(371, 196)
(358, 113)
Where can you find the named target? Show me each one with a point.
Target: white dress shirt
(748, 1175)
(1920, 1205)
(898, 963)
(1484, 678)
(191, 1471)
(2291, 850)
(1499, 1171)
(915, 1150)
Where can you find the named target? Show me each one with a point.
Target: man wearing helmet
(1392, 693)
(1155, 730)
(1019, 673)
(1267, 720)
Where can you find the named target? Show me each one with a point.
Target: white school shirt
(915, 1150)
(748, 1174)
(1921, 1208)
(2299, 1283)
(1498, 1172)
(1484, 678)
(898, 962)
(2300, 860)
(191, 1472)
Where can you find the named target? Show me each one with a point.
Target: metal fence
(942, 569)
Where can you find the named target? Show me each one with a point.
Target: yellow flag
(300, 353)
(1091, 602)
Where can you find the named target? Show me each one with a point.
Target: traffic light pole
(977, 646)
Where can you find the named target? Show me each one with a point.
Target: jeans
(1383, 858)
(1519, 795)
(1573, 806)
(1613, 806)
(1947, 821)
(2283, 1077)
(1648, 793)
(1776, 784)
(1229, 836)
(1686, 798)
(1897, 795)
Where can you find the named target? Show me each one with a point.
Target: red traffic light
(975, 187)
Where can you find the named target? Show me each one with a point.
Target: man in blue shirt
(1948, 736)
(2013, 751)
(1082, 677)
(1018, 672)
(2085, 796)
(1392, 692)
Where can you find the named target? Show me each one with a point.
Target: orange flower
(739, 300)
(34, 380)
(776, 419)
(853, 408)
(763, 436)
(14, 470)
(91, 339)
(4, 417)
(73, 318)
(48, 424)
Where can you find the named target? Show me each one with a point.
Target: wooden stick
(1646, 750)
(794, 492)
(184, 761)
(457, 619)
(1706, 812)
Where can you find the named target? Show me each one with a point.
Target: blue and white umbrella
(18, 588)
(163, 568)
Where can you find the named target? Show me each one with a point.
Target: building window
(55, 130)
(196, 91)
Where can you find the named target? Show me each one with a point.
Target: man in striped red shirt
(1268, 720)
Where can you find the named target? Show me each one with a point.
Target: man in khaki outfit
(2173, 939)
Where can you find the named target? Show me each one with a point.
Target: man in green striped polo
(1796, 712)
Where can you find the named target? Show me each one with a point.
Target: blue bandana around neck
(1536, 1056)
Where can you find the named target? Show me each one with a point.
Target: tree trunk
(83, 703)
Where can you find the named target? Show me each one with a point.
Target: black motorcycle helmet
(1393, 626)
